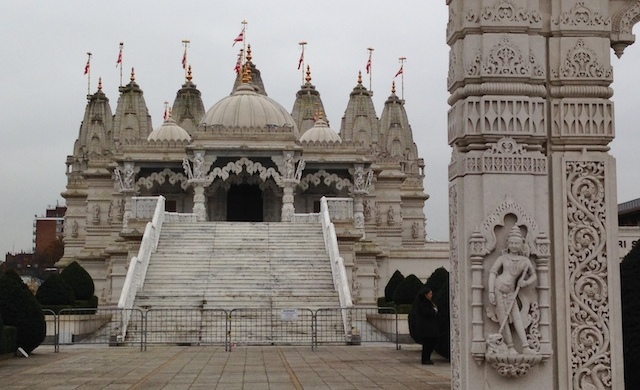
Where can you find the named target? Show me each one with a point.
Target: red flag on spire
(184, 59)
(240, 38)
(368, 67)
(164, 116)
(238, 63)
(399, 71)
(301, 59)
(119, 60)
(86, 67)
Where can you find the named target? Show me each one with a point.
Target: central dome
(245, 108)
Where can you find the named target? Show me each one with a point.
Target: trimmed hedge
(55, 291)
(79, 280)
(9, 338)
(630, 291)
(393, 283)
(407, 290)
(20, 308)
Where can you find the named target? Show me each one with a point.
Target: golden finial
(246, 74)
(249, 53)
(169, 112)
(308, 78)
(133, 75)
(189, 76)
(99, 83)
(393, 87)
(360, 77)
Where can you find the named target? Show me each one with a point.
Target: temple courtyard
(211, 367)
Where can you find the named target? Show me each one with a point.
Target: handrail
(340, 280)
(138, 265)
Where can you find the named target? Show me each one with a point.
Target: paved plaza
(210, 367)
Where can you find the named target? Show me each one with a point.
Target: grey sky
(43, 90)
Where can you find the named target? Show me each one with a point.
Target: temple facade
(247, 158)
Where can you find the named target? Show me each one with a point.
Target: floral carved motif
(325, 177)
(456, 354)
(506, 59)
(506, 11)
(582, 16)
(588, 280)
(582, 62)
(162, 177)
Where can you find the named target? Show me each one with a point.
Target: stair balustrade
(340, 280)
(138, 265)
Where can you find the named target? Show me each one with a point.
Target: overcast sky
(43, 89)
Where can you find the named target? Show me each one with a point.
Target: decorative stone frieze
(162, 177)
(504, 157)
(589, 119)
(505, 59)
(582, 63)
(581, 18)
(497, 115)
(325, 177)
(588, 275)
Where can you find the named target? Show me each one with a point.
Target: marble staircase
(256, 268)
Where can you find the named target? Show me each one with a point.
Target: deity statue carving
(199, 170)
(391, 216)
(368, 209)
(415, 230)
(288, 166)
(511, 272)
(96, 214)
(125, 177)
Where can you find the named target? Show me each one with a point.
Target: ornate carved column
(361, 183)
(530, 122)
(125, 179)
(290, 178)
(199, 180)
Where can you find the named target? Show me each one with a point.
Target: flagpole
(120, 61)
(301, 62)
(402, 60)
(244, 40)
(370, 69)
(88, 73)
(185, 43)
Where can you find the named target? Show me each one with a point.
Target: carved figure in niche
(288, 166)
(415, 230)
(368, 209)
(110, 212)
(74, 229)
(391, 216)
(359, 179)
(511, 272)
(198, 167)
(129, 175)
(96, 214)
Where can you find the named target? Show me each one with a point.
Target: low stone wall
(74, 327)
(386, 324)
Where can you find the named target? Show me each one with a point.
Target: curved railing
(340, 280)
(138, 265)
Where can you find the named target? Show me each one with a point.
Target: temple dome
(169, 131)
(320, 132)
(245, 108)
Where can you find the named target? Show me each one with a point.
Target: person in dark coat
(423, 326)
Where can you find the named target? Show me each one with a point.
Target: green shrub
(407, 290)
(21, 309)
(630, 291)
(10, 337)
(2, 342)
(55, 292)
(403, 308)
(79, 280)
(437, 280)
(391, 286)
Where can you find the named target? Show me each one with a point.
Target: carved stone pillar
(530, 123)
(287, 200)
(358, 209)
(199, 201)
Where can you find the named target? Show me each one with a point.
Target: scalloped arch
(325, 177)
(161, 178)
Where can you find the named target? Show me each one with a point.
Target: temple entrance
(244, 203)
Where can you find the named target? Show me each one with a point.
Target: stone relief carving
(505, 156)
(581, 16)
(74, 229)
(362, 179)
(249, 166)
(300, 169)
(162, 177)
(199, 171)
(584, 118)
(506, 59)
(513, 300)
(369, 209)
(391, 216)
(288, 166)
(125, 177)
(110, 213)
(325, 177)
(505, 11)
(588, 275)
(415, 230)
(582, 62)
(456, 354)
(451, 73)
(95, 214)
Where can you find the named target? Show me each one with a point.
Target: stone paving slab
(211, 367)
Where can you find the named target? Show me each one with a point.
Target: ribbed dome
(248, 109)
(320, 132)
(169, 131)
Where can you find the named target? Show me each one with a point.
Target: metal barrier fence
(246, 326)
